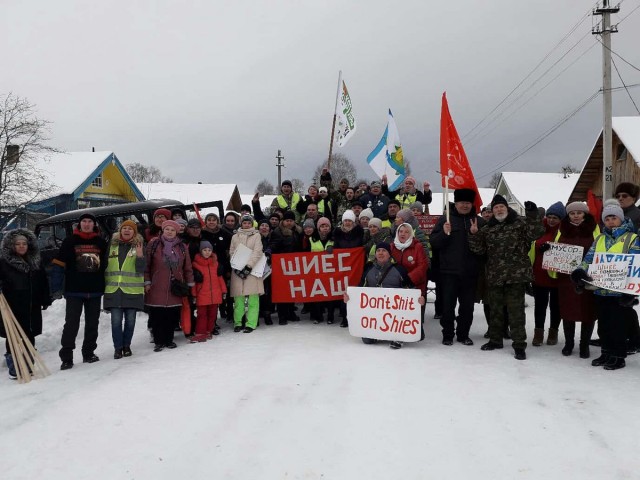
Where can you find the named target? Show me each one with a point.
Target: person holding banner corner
(613, 307)
(383, 272)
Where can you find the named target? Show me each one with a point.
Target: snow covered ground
(309, 401)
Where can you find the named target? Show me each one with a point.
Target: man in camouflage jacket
(505, 241)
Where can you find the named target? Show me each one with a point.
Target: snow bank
(309, 401)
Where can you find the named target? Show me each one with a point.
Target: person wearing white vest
(124, 285)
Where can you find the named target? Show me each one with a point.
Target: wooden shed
(626, 155)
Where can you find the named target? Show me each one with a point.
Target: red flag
(453, 160)
(594, 204)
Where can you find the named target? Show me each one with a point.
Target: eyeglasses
(622, 195)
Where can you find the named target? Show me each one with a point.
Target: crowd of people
(179, 270)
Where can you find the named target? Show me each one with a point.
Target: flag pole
(333, 126)
(446, 196)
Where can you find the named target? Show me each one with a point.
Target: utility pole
(280, 165)
(605, 29)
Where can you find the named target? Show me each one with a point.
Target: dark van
(53, 230)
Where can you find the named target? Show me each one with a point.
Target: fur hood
(31, 259)
(137, 240)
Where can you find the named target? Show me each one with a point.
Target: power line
(617, 55)
(544, 135)
(553, 49)
(624, 85)
(495, 118)
(479, 136)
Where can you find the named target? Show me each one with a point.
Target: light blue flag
(387, 158)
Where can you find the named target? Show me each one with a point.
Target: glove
(578, 276)
(530, 206)
(240, 273)
(544, 247)
(330, 249)
(56, 295)
(627, 300)
(246, 271)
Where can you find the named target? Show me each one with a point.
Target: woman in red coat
(407, 251)
(577, 228)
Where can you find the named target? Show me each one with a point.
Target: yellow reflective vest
(317, 246)
(124, 278)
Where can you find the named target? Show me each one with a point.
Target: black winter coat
(24, 283)
(454, 255)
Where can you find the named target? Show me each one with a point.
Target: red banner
(315, 276)
(453, 161)
(427, 222)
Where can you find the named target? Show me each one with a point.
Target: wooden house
(626, 155)
(544, 189)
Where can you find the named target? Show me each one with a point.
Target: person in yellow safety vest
(325, 205)
(612, 307)
(322, 240)
(408, 193)
(288, 199)
(389, 219)
(124, 285)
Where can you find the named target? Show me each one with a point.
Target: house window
(97, 182)
(621, 154)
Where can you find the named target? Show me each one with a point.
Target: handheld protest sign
(562, 257)
(384, 313)
(609, 275)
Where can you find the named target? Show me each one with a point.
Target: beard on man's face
(500, 216)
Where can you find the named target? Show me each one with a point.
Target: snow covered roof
(68, 171)
(544, 189)
(436, 207)
(628, 131)
(265, 200)
(194, 192)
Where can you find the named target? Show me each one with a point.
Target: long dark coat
(24, 283)
(576, 307)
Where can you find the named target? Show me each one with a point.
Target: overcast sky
(210, 90)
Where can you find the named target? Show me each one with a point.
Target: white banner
(562, 257)
(345, 121)
(384, 313)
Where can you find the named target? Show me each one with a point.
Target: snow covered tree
(341, 167)
(142, 174)
(265, 188)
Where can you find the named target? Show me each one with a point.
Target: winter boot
(520, 354)
(126, 351)
(614, 363)
(330, 316)
(491, 346)
(117, 354)
(395, 345)
(552, 336)
(601, 360)
(90, 358)
(344, 323)
(538, 337)
(584, 350)
(568, 348)
(267, 319)
(12, 368)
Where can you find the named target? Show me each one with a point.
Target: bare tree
(297, 185)
(407, 166)
(265, 188)
(142, 174)
(494, 180)
(23, 143)
(568, 168)
(341, 167)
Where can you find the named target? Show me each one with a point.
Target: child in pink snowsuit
(208, 293)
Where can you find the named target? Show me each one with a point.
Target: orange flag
(453, 160)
